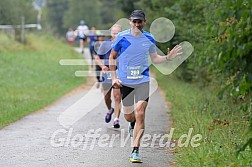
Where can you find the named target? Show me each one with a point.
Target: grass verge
(31, 76)
(222, 125)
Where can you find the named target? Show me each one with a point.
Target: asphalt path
(72, 132)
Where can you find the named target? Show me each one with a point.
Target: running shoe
(116, 124)
(135, 158)
(109, 115)
(131, 128)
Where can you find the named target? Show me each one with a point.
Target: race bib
(134, 72)
(109, 75)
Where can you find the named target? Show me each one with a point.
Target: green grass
(222, 125)
(31, 76)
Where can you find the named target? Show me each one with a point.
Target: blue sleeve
(117, 44)
(102, 49)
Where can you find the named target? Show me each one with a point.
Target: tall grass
(31, 76)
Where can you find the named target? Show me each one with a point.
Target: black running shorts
(139, 92)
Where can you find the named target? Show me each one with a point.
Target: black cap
(137, 14)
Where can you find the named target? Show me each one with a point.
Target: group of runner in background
(93, 38)
(99, 51)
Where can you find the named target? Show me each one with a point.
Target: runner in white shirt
(82, 31)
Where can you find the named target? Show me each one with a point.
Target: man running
(103, 53)
(135, 46)
(82, 31)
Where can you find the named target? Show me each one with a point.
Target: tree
(55, 13)
(110, 13)
(82, 10)
(11, 12)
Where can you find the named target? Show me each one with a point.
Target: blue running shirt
(134, 52)
(104, 53)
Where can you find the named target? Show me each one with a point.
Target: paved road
(41, 139)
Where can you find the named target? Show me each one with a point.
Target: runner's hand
(105, 69)
(116, 83)
(177, 50)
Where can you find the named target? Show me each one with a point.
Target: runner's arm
(100, 53)
(116, 83)
(112, 63)
(157, 59)
(100, 63)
